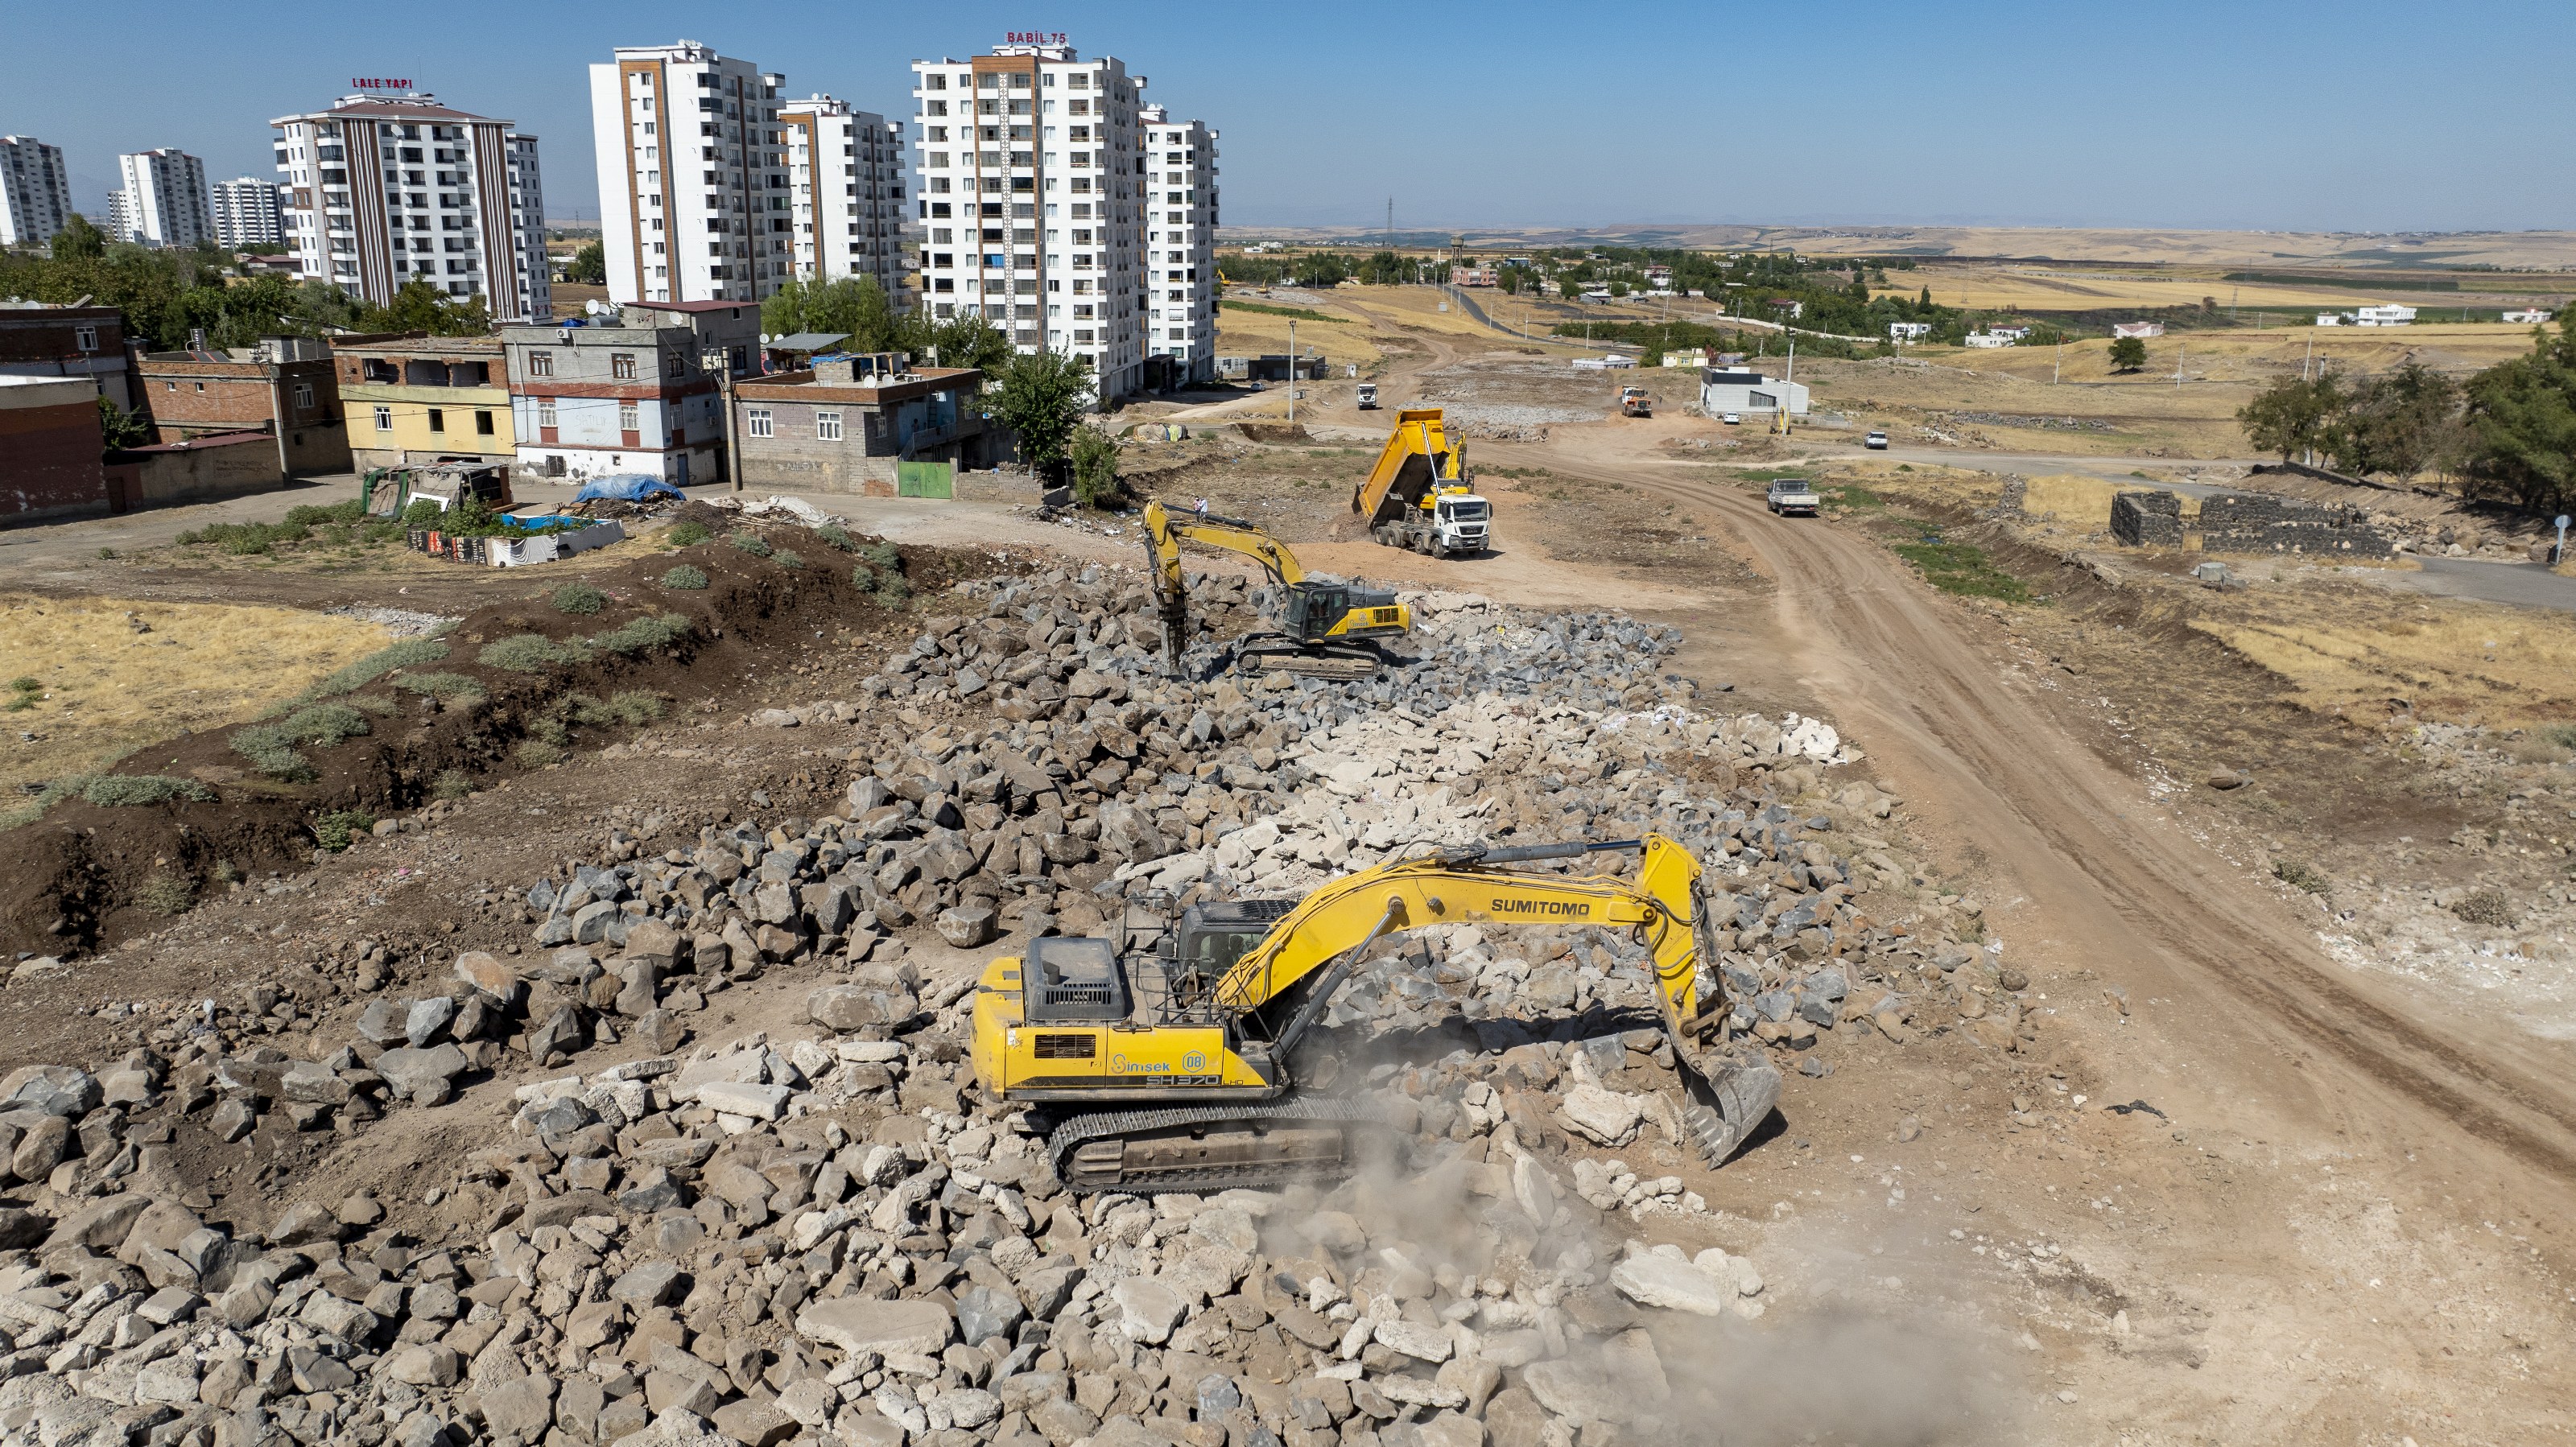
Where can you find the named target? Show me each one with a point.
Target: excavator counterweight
(1187, 1058)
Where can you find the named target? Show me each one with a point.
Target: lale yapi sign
(1035, 37)
(379, 83)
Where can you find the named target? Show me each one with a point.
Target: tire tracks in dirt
(2140, 900)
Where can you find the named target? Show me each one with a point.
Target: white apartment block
(382, 191)
(248, 213)
(35, 191)
(165, 202)
(694, 202)
(1180, 248)
(845, 178)
(1031, 205)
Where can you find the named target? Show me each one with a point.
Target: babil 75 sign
(1034, 37)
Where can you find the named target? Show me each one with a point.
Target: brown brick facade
(191, 395)
(49, 451)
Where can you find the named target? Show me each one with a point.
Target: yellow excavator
(1188, 1062)
(1326, 628)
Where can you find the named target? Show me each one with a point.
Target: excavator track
(1262, 652)
(1216, 1147)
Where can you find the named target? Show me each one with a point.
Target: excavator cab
(1316, 610)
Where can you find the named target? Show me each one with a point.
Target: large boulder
(1671, 1283)
(857, 1324)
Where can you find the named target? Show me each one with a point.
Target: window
(756, 421)
(169, 386)
(541, 364)
(304, 396)
(483, 423)
(546, 412)
(621, 365)
(626, 417)
(85, 338)
(437, 420)
(384, 419)
(827, 426)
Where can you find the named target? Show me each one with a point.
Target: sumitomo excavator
(1325, 628)
(1185, 1057)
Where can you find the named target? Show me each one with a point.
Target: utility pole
(1292, 368)
(2058, 369)
(2181, 350)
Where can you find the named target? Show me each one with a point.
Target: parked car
(1876, 441)
(1789, 496)
(1732, 418)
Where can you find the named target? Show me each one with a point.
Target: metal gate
(925, 479)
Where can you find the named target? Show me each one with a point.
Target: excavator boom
(1329, 623)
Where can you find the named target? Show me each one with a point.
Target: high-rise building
(119, 222)
(1030, 203)
(385, 190)
(1179, 179)
(694, 203)
(845, 176)
(35, 191)
(247, 213)
(165, 199)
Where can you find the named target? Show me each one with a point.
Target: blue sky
(2365, 115)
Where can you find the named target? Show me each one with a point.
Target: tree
(121, 429)
(1040, 396)
(2128, 354)
(2292, 415)
(1568, 288)
(1095, 465)
(78, 240)
(1509, 281)
(2403, 423)
(589, 266)
(1926, 302)
(2522, 415)
(958, 341)
(854, 308)
(420, 306)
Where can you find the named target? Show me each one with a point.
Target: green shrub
(271, 747)
(550, 728)
(579, 598)
(112, 791)
(311, 516)
(422, 514)
(536, 754)
(451, 784)
(2299, 874)
(687, 535)
(885, 556)
(2563, 735)
(245, 539)
(376, 665)
(27, 685)
(530, 653)
(750, 542)
(633, 707)
(107, 552)
(893, 588)
(685, 578)
(833, 535)
(167, 894)
(381, 705)
(1962, 568)
(2488, 907)
(862, 578)
(455, 687)
(786, 559)
(658, 630)
(340, 828)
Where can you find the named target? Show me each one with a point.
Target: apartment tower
(845, 179)
(1179, 183)
(382, 191)
(247, 213)
(1031, 205)
(35, 191)
(694, 203)
(164, 200)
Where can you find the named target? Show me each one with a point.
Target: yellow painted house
(419, 398)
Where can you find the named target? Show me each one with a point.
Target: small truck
(1368, 396)
(1792, 497)
(1636, 402)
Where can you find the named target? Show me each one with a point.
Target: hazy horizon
(1508, 116)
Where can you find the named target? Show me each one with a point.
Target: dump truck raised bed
(1418, 496)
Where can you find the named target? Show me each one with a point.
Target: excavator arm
(1165, 533)
(1726, 1095)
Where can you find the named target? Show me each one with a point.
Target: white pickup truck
(1789, 496)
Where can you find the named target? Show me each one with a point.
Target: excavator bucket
(1724, 1100)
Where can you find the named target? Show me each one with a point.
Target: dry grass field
(103, 687)
(1249, 333)
(2448, 660)
(2013, 287)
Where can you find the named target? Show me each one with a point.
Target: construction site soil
(2282, 1154)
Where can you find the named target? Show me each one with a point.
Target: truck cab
(1461, 522)
(1368, 396)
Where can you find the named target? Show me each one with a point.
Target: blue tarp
(626, 487)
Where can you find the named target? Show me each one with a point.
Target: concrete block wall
(2264, 523)
(2147, 519)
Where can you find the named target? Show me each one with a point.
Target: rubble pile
(830, 1237)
